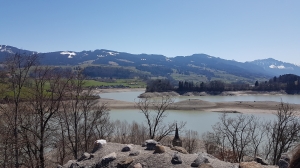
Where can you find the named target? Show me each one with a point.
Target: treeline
(159, 85)
(289, 83)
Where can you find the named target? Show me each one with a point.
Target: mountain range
(202, 66)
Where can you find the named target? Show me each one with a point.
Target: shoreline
(245, 107)
(225, 93)
(116, 90)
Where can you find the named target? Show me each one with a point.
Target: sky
(232, 29)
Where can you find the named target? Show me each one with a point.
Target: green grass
(132, 83)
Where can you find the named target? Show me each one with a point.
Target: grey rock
(98, 145)
(176, 159)
(109, 158)
(283, 163)
(150, 144)
(127, 148)
(135, 153)
(74, 165)
(138, 165)
(125, 163)
(285, 157)
(199, 160)
(260, 160)
(59, 166)
(84, 156)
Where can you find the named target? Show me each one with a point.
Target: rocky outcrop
(150, 144)
(176, 159)
(250, 165)
(127, 148)
(110, 155)
(260, 160)
(199, 161)
(98, 145)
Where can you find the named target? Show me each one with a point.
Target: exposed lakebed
(198, 120)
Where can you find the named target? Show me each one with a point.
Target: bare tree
(18, 67)
(191, 141)
(155, 111)
(235, 134)
(257, 136)
(134, 133)
(83, 118)
(37, 125)
(283, 133)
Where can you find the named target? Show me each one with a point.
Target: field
(132, 83)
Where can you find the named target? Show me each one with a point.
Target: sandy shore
(226, 93)
(119, 90)
(256, 107)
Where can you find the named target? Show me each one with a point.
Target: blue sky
(231, 29)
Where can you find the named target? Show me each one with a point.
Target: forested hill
(289, 83)
(199, 67)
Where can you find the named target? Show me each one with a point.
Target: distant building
(176, 141)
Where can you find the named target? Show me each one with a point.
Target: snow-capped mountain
(277, 67)
(159, 65)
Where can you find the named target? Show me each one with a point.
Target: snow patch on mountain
(279, 67)
(167, 59)
(5, 49)
(71, 54)
(112, 53)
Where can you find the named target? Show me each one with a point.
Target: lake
(200, 121)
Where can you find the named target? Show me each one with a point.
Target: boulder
(260, 160)
(176, 159)
(150, 144)
(84, 156)
(199, 161)
(205, 165)
(98, 144)
(74, 165)
(125, 163)
(179, 149)
(135, 153)
(159, 149)
(127, 148)
(138, 165)
(250, 165)
(283, 163)
(285, 157)
(108, 158)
